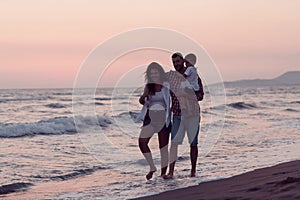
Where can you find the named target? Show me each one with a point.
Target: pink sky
(43, 43)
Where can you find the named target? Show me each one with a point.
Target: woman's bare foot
(150, 174)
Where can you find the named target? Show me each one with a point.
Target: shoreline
(281, 181)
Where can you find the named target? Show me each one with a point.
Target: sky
(44, 43)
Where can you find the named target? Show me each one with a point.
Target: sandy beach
(281, 181)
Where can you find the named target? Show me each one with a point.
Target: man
(183, 122)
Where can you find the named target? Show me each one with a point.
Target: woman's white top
(159, 101)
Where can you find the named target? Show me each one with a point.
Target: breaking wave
(54, 126)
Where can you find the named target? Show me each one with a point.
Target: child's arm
(188, 71)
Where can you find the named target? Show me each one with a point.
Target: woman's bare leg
(145, 136)
(163, 139)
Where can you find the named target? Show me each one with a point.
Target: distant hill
(288, 78)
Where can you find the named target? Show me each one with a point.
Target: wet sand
(281, 181)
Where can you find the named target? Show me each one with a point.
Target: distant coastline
(289, 78)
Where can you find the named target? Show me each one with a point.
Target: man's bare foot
(150, 174)
(193, 174)
(169, 176)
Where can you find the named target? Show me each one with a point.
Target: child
(191, 71)
(191, 85)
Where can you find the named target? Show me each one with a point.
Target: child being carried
(190, 85)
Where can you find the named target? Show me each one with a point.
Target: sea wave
(55, 105)
(99, 104)
(242, 105)
(62, 93)
(25, 99)
(214, 108)
(73, 174)
(65, 99)
(14, 187)
(295, 102)
(132, 114)
(111, 98)
(103, 98)
(54, 126)
(236, 105)
(290, 110)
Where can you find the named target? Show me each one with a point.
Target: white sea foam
(54, 126)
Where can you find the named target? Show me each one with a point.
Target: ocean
(57, 146)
